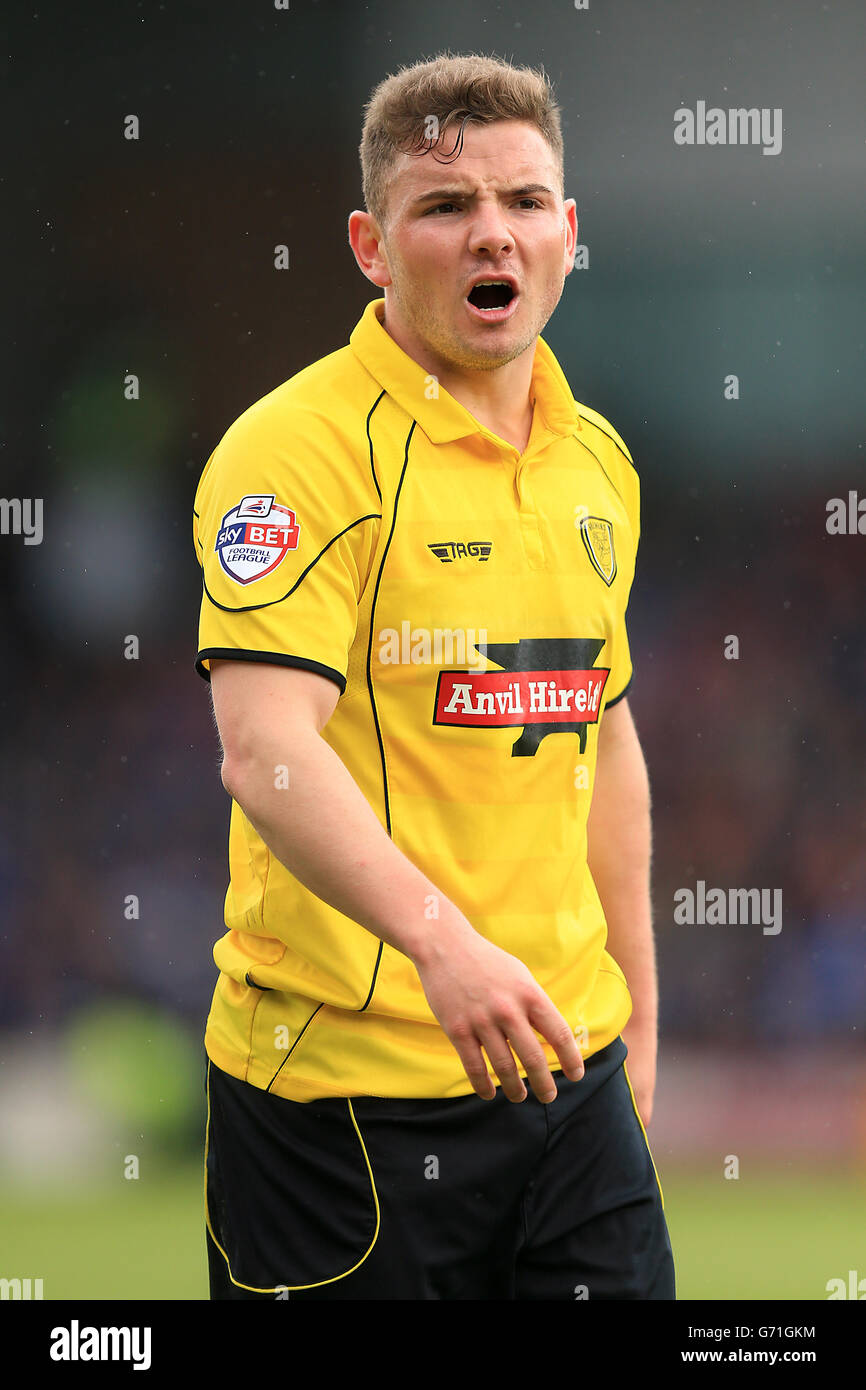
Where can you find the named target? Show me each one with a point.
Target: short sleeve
(619, 466)
(285, 524)
(621, 675)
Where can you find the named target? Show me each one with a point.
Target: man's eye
(455, 207)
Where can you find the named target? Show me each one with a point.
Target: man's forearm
(326, 833)
(619, 853)
(619, 856)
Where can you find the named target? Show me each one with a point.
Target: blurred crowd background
(155, 257)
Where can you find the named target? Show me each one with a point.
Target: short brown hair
(452, 88)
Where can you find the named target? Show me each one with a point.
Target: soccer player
(417, 555)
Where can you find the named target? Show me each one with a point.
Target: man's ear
(570, 213)
(366, 241)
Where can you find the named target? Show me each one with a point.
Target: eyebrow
(452, 195)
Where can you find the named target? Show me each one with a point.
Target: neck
(499, 398)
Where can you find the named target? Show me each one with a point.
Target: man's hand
(485, 998)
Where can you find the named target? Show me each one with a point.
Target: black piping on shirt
(252, 607)
(370, 683)
(294, 1044)
(370, 442)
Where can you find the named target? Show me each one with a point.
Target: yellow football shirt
(469, 602)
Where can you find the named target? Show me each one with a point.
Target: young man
(417, 556)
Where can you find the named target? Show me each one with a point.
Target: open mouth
(491, 294)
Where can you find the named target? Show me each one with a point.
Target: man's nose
(490, 234)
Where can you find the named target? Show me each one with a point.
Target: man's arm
(326, 833)
(619, 855)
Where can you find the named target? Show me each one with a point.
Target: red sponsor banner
(505, 699)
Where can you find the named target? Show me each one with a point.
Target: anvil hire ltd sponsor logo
(548, 685)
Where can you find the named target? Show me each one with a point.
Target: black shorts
(465, 1198)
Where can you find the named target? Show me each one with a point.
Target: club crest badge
(597, 536)
(255, 537)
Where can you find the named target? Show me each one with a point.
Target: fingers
(502, 1061)
(548, 1021)
(510, 1017)
(520, 1039)
(474, 1064)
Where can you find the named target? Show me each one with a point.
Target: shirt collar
(441, 417)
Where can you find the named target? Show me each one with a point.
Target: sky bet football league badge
(255, 537)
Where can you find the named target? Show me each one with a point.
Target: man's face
(493, 213)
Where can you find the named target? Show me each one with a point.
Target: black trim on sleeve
(608, 704)
(270, 659)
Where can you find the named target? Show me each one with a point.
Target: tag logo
(255, 537)
(446, 551)
(597, 536)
